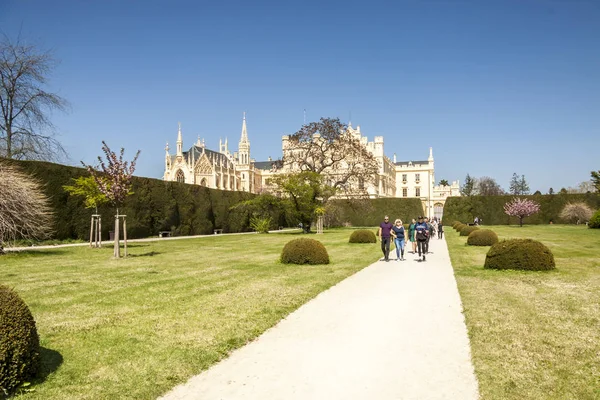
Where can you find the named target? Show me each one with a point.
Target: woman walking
(398, 232)
(411, 235)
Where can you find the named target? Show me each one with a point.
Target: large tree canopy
(328, 148)
(26, 131)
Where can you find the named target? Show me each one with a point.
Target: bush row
(491, 208)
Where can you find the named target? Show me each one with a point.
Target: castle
(238, 171)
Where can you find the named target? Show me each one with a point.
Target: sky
(495, 86)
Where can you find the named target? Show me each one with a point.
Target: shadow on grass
(33, 252)
(148, 254)
(50, 361)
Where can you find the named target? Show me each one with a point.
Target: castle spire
(179, 141)
(244, 138)
(430, 154)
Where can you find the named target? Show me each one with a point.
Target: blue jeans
(399, 247)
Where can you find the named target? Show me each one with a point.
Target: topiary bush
(458, 227)
(521, 254)
(595, 220)
(19, 342)
(482, 237)
(304, 251)
(466, 230)
(363, 236)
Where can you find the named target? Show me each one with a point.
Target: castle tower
(179, 141)
(244, 145)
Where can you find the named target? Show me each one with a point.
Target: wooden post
(117, 250)
(99, 233)
(92, 222)
(125, 232)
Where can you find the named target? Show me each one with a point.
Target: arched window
(438, 210)
(180, 176)
(203, 182)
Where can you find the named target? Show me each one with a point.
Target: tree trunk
(521, 221)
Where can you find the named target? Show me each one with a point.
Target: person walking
(385, 235)
(422, 233)
(430, 233)
(435, 224)
(440, 230)
(398, 233)
(411, 235)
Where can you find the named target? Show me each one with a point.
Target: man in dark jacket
(422, 234)
(385, 234)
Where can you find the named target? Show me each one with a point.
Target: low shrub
(363, 236)
(521, 254)
(459, 227)
(19, 342)
(304, 251)
(482, 237)
(595, 220)
(260, 225)
(466, 230)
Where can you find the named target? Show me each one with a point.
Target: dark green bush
(304, 251)
(19, 342)
(595, 220)
(521, 254)
(363, 236)
(466, 230)
(482, 237)
(372, 211)
(459, 227)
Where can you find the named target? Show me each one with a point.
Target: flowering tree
(114, 181)
(577, 212)
(521, 208)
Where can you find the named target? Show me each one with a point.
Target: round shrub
(19, 341)
(363, 236)
(595, 220)
(455, 224)
(482, 237)
(459, 227)
(466, 230)
(522, 254)
(304, 251)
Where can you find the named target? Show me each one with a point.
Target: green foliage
(458, 227)
(304, 251)
(466, 230)
(260, 224)
(521, 254)
(19, 341)
(596, 180)
(363, 236)
(482, 237)
(86, 187)
(468, 188)
(595, 220)
(491, 208)
(371, 212)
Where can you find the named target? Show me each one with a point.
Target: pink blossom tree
(113, 178)
(521, 208)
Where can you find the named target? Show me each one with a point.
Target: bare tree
(487, 186)
(24, 209)
(329, 149)
(26, 131)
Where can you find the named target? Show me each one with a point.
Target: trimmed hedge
(304, 251)
(363, 236)
(595, 220)
(491, 208)
(521, 254)
(466, 230)
(19, 342)
(371, 212)
(482, 237)
(459, 227)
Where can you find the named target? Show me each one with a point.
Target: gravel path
(392, 331)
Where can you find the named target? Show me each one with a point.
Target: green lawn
(136, 327)
(534, 335)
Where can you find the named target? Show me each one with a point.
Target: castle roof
(407, 163)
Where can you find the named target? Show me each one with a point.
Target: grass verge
(136, 327)
(534, 335)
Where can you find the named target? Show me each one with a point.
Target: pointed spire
(179, 140)
(244, 130)
(430, 154)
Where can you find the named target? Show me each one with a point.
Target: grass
(137, 327)
(534, 335)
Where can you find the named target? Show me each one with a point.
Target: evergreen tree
(523, 186)
(515, 184)
(468, 189)
(596, 180)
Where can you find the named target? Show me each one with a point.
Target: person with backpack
(422, 235)
(398, 233)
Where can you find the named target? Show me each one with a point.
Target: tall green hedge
(491, 208)
(371, 213)
(154, 206)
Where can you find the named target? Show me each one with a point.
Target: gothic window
(180, 176)
(203, 182)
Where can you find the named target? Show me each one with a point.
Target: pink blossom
(521, 208)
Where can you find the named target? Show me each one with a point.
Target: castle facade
(239, 172)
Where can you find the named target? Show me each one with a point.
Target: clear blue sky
(495, 87)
